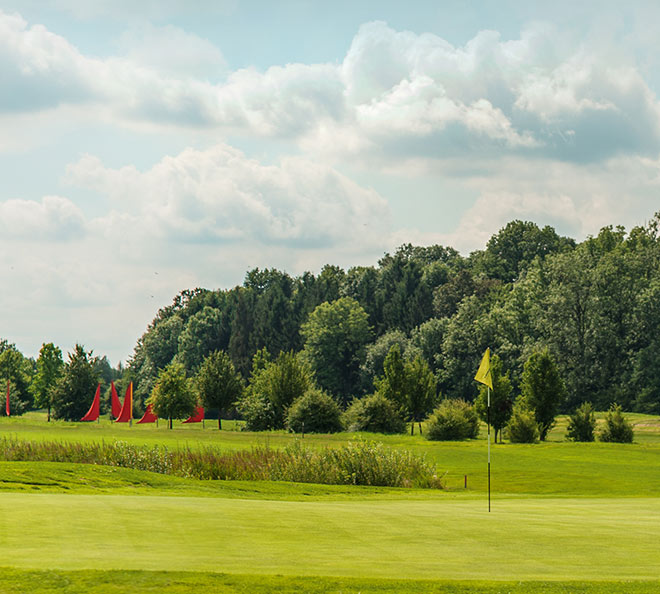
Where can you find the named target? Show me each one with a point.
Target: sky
(151, 146)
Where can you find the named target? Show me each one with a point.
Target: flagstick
(488, 422)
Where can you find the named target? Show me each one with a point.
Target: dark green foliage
(16, 369)
(510, 251)
(74, 391)
(314, 412)
(543, 389)
(50, 368)
(420, 391)
(173, 396)
(409, 384)
(594, 306)
(522, 426)
(280, 382)
(257, 411)
(501, 400)
(452, 420)
(374, 413)
(616, 429)
(336, 335)
(582, 423)
(218, 384)
(377, 352)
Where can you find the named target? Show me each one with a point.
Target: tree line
(593, 306)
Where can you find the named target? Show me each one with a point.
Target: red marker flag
(114, 401)
(198, 417)
(148, 416)
(7, 411)
(126, 414)
(95, 409)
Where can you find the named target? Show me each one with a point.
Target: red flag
(7, 411)
(95, 409)
(198, 417)
(148, 416)
(114, 401)
(126, 414)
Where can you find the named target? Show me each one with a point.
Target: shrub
(314, 412)
(522, 426)
(374, 413)
(257, 411)
(454, 419)
(616, 428)
(581, 423)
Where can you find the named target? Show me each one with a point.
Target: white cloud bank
(395, 94)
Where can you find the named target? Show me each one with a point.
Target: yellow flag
(483, 373)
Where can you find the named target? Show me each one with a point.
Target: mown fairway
(561, 512)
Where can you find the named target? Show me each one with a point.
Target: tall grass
(356, 463)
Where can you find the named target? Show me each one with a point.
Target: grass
(566, 518)
(13, 581)
(525, 539)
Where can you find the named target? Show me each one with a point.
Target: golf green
(522, 539)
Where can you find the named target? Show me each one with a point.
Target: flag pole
(488, 422)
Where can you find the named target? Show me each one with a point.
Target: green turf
(522, 539)
(555, 468)
(579, 517)
(14, 581)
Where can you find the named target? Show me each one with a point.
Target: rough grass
(354, 463)
(13, 581)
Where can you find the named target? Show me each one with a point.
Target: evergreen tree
(75, 390)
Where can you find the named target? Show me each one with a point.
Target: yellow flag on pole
(483, 373)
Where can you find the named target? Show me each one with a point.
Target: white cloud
(54, 218)
(173, 52)
(220, 195)
(577, 200)
(395, 94)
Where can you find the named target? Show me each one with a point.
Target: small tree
(522, 426)
(314, 412)
(281, 382)
(173, 396)
(50, 368)
(617, 429)
(420, 391)
(374, 413)
(543, 388)
(581, 423)
(218, 384)
(501, 401)
(74, 391)
(409, 384)
(453, 420)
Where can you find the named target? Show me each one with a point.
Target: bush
(454, 419)
(374, 413)
(522, 426)
(314, 412)
(616, 428)
(257, 411)
(581, 423)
